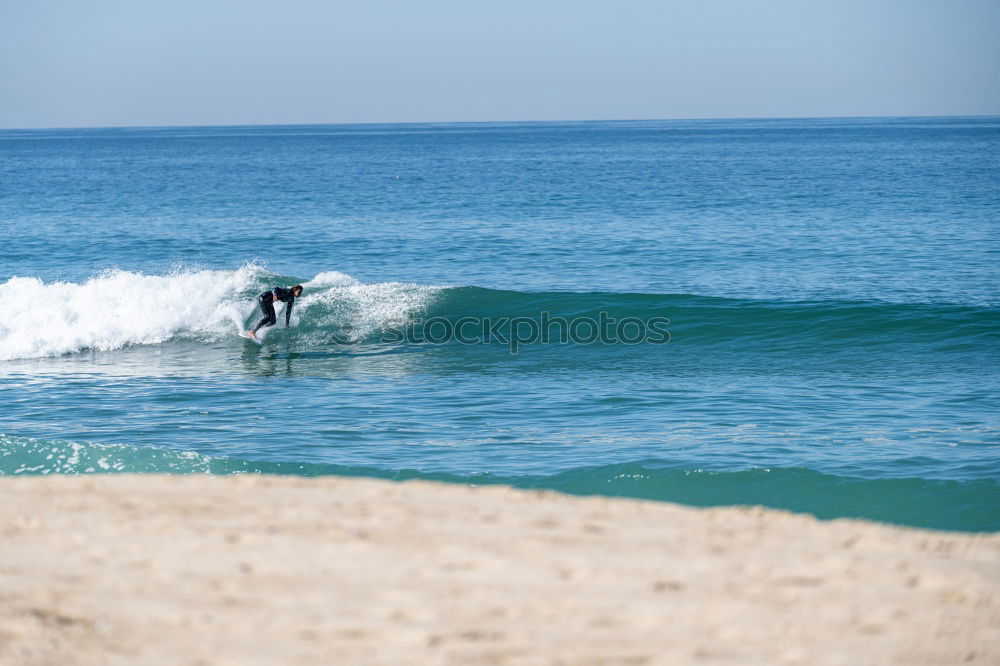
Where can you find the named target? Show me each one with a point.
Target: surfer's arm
(288, 311)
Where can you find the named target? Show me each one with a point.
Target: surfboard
(244, 334)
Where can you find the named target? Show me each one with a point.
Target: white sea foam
(117, 308)
(120, 308)
(331, 279)
(359, 309)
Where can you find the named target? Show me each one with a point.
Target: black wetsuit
(266, 301)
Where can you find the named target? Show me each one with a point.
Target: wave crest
(118, 308)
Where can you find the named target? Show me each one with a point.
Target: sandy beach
(280, 570)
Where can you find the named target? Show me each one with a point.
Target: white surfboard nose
(246, 334)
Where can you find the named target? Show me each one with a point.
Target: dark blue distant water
(826, 292)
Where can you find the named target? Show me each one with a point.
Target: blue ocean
(800, 314)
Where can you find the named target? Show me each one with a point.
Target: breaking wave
(117, 309)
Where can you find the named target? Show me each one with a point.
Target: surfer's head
(297, 290)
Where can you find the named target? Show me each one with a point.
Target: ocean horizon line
(564, 121)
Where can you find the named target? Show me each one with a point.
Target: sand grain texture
(278, 570)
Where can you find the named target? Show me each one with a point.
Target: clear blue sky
(69, 63)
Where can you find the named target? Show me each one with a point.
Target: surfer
(267, 301)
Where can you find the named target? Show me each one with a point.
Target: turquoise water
(794, 313)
